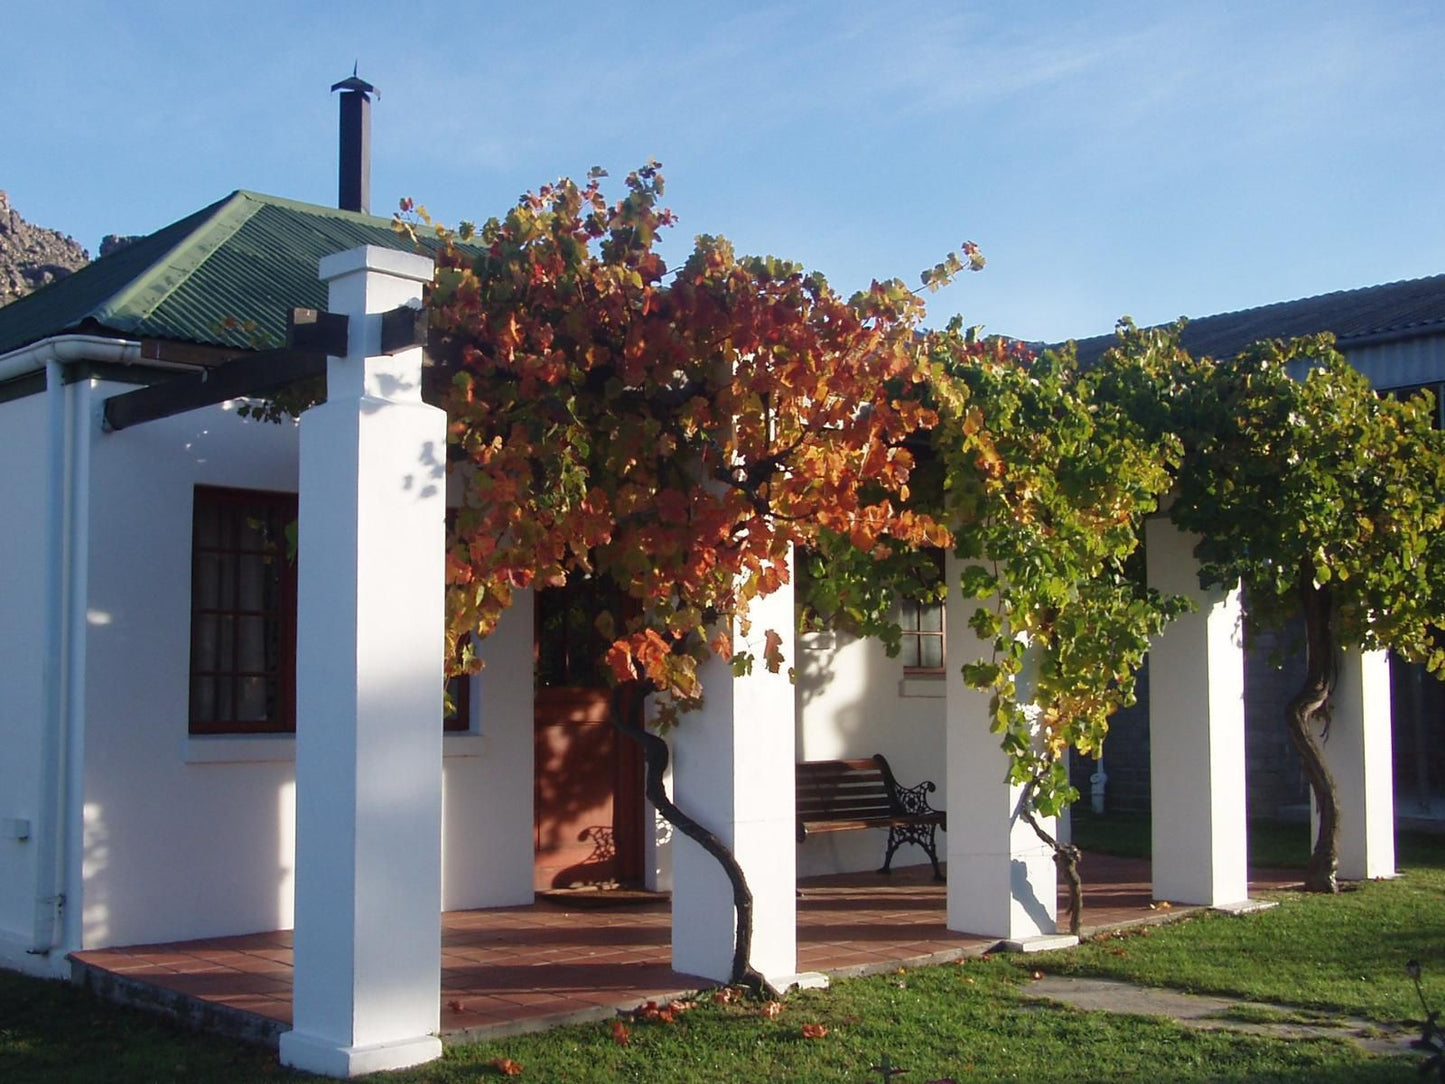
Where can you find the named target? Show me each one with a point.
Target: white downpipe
(1097, 782)
(48, 875)
(72, 824)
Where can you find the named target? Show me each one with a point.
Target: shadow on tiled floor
(514, 969)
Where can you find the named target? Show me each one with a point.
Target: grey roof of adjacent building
(1394, 312)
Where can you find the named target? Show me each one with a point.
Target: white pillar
(733, 772)
(369, 695)
(1196, 734)
(1358, 752)
(1001, 877)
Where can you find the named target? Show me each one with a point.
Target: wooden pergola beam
(311, 336)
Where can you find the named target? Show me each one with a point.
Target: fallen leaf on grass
(772, 1009)
(814, 1031)
(620, 1035)
(507, 1067)
(653, 1011)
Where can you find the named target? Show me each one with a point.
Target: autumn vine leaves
(676, 434)
(683, 433)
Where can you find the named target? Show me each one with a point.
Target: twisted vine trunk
(1066, 861)
(1311, 704)
(655, 756)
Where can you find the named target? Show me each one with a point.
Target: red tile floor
(513, 969)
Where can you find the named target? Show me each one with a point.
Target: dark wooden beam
(189, 353)
(318, 331)
(255, 376)
(312, 334)
(402, 328)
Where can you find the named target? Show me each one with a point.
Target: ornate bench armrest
(915, 799)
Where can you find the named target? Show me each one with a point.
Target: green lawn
(1345, 952)
(965, 1022)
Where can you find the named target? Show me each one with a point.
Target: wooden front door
(587, 800)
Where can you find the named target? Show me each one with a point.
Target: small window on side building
(923, 629)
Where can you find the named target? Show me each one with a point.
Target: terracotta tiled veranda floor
(521, 968)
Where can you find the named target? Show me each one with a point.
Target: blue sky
(1154, 159)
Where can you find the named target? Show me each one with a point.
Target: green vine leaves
(1299, 469)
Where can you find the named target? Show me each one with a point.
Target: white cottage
(202, 739)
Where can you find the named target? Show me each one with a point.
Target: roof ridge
(314, 208)
(166, 274)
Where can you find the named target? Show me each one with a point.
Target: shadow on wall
(585, 776)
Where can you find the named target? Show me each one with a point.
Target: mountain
(32, 256)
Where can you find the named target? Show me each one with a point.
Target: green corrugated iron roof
(249, 256)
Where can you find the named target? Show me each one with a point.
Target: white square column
(1002, 881)
(369, 694)
(733, 772)
(1196, 733)
(1358, 750)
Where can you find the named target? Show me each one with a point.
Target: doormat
(601, 896)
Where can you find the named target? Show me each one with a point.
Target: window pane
(931, 652)
(252, 700)
(225, 581)
(930, 617)
(203, 698)
(909, 652)
(253, 573)
(225, 710)
(204, 643)
(251, 644)
(205, 586)
(206, 528)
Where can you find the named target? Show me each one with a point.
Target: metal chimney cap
(352, 82)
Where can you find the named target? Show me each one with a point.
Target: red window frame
(248, 524)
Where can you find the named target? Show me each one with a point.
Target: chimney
(354, 189)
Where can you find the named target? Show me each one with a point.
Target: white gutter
(68, 348)
(74, 348)
(47, 835)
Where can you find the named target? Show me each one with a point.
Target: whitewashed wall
(487, 840)
(192, 837)
(22, 659)
(853, 701)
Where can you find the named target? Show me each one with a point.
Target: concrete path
(1211, 1012)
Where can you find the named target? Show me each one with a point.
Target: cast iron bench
(840, 795)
